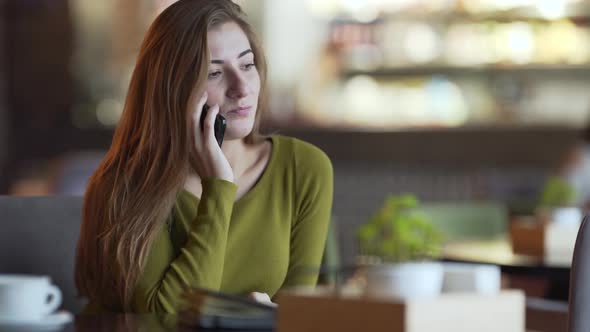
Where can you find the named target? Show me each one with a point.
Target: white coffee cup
(27, 297)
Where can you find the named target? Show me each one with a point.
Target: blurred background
(449, 100)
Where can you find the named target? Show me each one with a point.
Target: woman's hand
(211, 162)
(262, 298)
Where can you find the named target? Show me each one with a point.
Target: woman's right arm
(200, 262)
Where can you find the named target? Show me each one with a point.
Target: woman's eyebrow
(239, 56)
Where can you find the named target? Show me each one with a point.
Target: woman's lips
(240, 112)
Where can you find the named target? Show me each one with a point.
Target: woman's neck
(237, 154)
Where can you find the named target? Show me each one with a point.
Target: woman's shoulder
(302, 155)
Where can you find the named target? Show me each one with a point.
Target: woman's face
(233, 81)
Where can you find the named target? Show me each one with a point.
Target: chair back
(39, 236)
(579, 295)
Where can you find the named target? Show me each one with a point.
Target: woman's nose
(238, 87)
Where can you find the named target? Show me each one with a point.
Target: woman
(574, 168)
(169, 208)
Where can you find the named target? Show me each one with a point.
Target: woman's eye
(249, 66)
(214, 74)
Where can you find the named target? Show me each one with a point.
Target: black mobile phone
(218, 128)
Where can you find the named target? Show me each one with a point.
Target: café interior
(458, 132)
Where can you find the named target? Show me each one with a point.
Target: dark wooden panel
(496, 146)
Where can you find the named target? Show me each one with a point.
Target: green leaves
(397, 233)
(557, 193)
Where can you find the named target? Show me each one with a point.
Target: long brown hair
(133, 191)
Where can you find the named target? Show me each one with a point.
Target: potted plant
(552, 231)
(558, 203)
(403, 243)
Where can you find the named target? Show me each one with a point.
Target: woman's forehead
(227, 41)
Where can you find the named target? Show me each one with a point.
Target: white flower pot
(566, 215)
(404, 280)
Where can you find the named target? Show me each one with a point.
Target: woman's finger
(209, 125)
(262, 298)
(198, 107)
(197, 110)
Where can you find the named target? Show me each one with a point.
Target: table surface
(128, 322)
(555, 270)
(549, 320)
(499, 252)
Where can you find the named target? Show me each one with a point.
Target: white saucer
(51, 322)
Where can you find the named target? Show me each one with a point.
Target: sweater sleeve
(200, 262)
(314, 194)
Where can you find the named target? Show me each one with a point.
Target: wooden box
(456, 312)
(547, 240)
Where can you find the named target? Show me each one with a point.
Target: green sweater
(271, 238)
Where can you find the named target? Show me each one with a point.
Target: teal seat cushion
(467, 220)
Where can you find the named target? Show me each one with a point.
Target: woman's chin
(237, 132)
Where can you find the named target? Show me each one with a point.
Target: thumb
(260, 297)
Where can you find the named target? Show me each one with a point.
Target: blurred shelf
(569, 70)
(578, 17)
(579, 13)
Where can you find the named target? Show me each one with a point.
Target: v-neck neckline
(263, 177)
